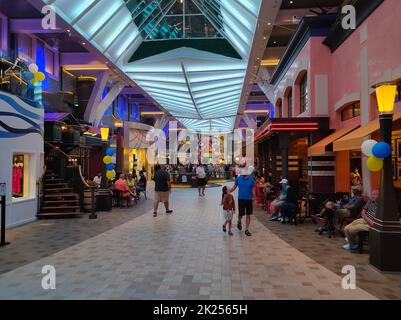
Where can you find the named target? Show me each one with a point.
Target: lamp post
(103, 200)
(104, 133)
(385, 235)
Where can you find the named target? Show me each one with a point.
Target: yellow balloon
(107, 160)
(374, 164)
(33, 81)
(111, 174)
(39, 76)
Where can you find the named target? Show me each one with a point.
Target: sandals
(239, 226)
(169, 211)
(224, 229)
(155, 214)
(247, 233)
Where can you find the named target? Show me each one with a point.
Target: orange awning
(319, 148)
(354, 140)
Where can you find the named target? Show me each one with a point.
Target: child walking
(228, 203)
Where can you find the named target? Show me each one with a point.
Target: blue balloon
(27, 75)
(381, 150)
(110, 166)
(110, 152)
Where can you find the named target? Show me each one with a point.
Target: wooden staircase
(59, 199)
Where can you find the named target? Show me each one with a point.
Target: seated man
(277, 204)
(325, 217)
(354, 205)
(290, 206)
(141, 186)
(122, 185)
(363, 224)
(97, 180)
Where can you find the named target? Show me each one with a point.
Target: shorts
(245, 207)
(277, 203)
(202, 182)
(227, 215)
(162, 196)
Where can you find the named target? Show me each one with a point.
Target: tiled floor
(179, 256)
(329, 253)
(43, 238)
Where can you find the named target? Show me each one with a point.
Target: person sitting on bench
(325, 218)
(277, 204)
(141, 186)
(122, 185)
(363, 224)
(289, 208)
(353, 207)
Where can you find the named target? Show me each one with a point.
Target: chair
(118, 199)
(363, 236)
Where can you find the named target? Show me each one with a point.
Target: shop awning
(319, 148)
(354, 140)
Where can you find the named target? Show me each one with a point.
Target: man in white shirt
(97, 180)
(201, 176)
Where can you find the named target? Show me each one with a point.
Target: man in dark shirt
(162, 189)
(354, 205)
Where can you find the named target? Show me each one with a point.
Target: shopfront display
(19, 176)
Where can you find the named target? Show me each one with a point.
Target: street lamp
(104, 133)
(385, 235)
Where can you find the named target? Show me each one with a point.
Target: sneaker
(239, 226)
(349, 247)
(230, 233)
(155, 214)
(274, 217)
(247, 233)
(224, 229)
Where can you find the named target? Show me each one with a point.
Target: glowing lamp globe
(104, 133)
(385, 95)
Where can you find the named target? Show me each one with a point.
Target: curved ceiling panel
(200, 87)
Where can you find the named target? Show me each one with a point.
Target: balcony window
(303, 88)
(350, 112)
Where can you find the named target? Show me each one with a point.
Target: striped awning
(354, 140)
(319, 148)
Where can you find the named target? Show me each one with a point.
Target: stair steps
(60, 201)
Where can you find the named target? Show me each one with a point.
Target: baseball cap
(284, 181)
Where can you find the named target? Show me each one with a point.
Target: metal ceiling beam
(190, 91)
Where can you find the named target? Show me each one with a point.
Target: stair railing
(81, 177)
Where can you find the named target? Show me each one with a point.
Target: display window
(20, 176)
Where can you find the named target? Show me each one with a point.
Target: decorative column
(385, 235)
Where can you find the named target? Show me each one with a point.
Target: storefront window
(20, 176)
(303, 86)
(352, 111)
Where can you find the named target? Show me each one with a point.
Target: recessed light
(84, 43)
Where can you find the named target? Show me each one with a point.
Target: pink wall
(343, 67)
(383, 44)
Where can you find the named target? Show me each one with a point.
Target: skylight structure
(191, 56)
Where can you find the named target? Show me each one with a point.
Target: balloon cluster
(33, 75)
(376, 152)
(109, 161)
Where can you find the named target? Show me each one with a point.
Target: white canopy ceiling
(201, 89)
